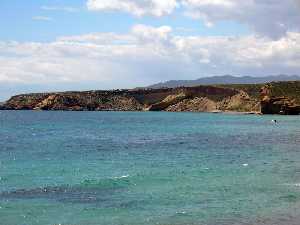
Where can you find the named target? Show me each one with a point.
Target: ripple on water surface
(148, 168)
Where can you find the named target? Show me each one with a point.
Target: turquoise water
(119, 168)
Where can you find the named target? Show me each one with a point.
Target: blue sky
(50, 45)
(17, 19)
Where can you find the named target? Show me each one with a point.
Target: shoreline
(145, 111)
(211, 112)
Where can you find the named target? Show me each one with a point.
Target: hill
(227, 79)
(270, 98)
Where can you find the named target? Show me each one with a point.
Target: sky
(59, 45)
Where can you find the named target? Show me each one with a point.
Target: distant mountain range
(226, 79)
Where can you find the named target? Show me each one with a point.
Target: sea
(148, 168)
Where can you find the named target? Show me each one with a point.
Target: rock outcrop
(168, 101)
(240, 102)
(198, 104)
(277, 99)
(279, 105)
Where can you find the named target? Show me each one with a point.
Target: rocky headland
(271, 98)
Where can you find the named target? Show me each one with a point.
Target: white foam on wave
(245, 164)
(295, 185)
(122, 177)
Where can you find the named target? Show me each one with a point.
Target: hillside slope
(226, 79)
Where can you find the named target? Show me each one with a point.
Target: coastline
(141, 111)
(275, 98)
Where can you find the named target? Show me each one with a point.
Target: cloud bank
(146, 54)
(272, 18)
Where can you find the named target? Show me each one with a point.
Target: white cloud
(146, 34)
(143, 56)
(272, 18)
(59, 8)
(136, 7)
(100, 38)
(42, 18)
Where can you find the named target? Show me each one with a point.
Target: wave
(108, 183)
(122, 177)
(87, 191)
(294, 184)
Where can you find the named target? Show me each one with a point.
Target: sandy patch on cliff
(197, 104)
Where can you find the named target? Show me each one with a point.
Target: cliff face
(197, 104)
(201, 99)
(281, 98)
(241, 98)
(75, 101)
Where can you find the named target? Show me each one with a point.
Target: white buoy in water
(274, 121)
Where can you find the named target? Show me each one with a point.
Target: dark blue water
(119, 168)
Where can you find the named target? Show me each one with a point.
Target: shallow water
(126, 168)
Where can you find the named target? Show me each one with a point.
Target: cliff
(273, 98)
(281, 98)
